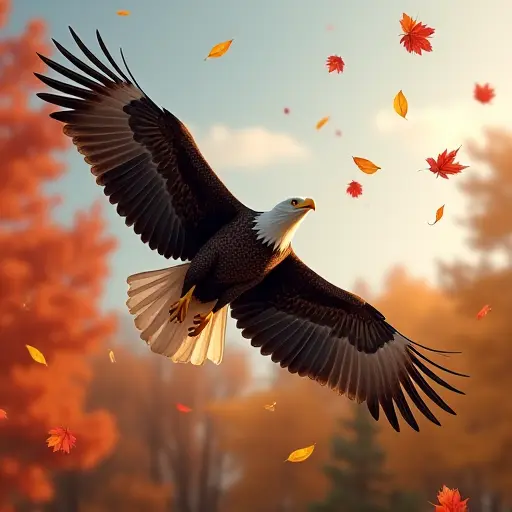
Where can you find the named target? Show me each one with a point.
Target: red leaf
(484, 93)
(3, 414)
(450, 501)
(286, 110)
(61, 439)
(338, 133)
(354, 189)
(329, 27)
(415, 36)
(183, 408)
(335, 63)
(445, 165)
(483, 312)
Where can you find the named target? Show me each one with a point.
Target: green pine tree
(357, 469)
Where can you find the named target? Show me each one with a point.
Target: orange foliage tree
(258, 441)
(50, 284)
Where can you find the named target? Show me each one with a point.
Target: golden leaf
(365, 165)
(112, 356)
(322, 122)
(439, 215)
(271, 407)
(219, 50)
(400, 104)
(301, 454)
(36, 355)
(123, 13)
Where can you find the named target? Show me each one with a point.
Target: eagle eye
(294, 202)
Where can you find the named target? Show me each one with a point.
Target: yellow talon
(178, 311)
(200, 322)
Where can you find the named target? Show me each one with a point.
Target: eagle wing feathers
(144, 157)
(313, 328)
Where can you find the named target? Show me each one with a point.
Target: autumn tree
(51, 281)
(257, 441)
(170, 457)
(355, 469)
(487, 416)
(126, 480)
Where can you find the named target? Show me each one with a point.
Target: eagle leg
(178, 311)
(200, 322)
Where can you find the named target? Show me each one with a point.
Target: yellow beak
(308, 204)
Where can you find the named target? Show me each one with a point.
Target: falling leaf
(400, 104)
(415, 36)
(483, 312)
(365, 165)
(439, 215)
(329, 27)
(484, 93)
(183, 408)
(123, 13)
(354, 189)
(36, 355)
(338, 133)
(112, 356)
(3, 414)
(335, 63)
(271, 407)
(219, 50)
(322, 122)
(450, 501)
(445, 165)
(301, 454)
(286, 110)
(61, 439)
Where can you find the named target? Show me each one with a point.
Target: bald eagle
(150, 167)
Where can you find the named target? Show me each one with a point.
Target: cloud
(249, 148)
(436, 127)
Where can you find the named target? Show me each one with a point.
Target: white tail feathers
(151, 294)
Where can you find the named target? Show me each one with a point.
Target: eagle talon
(200, 322)
(178, 311)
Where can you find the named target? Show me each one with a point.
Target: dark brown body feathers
(231, 262)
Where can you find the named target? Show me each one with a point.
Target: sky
(234, 107)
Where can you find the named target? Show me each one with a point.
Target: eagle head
(277, 226)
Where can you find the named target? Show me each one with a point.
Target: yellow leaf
(366, 166)
(36, 355)
(322, 122)
(123, 13)
(112, 357)
(400, 104)
(439, 215)
(301, 454)
(271, 407)
(219, 50)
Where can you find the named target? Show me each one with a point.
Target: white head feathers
(277, 226)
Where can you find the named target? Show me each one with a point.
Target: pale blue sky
(277, 60)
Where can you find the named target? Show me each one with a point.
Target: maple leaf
(450, 501)
(483, 312)
(354, 189)
(415, 36)
(484, 93)
(286, 110)
(61, 439)
(335, 63)
(445, 165)
(3, 414)
(338, 133)
(183, 408)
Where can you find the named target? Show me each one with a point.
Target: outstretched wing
(143, 156)
(313, 328)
